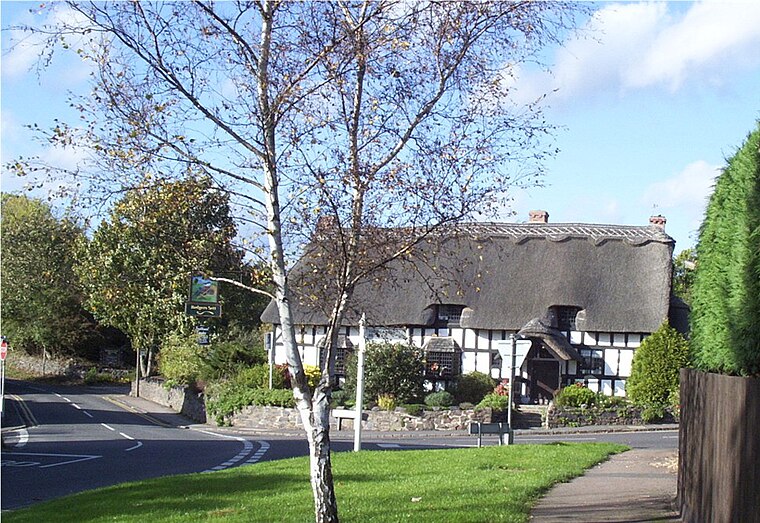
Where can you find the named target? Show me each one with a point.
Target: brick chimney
(658, 221)
(538, 217)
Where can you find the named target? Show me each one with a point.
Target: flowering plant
(502, 389)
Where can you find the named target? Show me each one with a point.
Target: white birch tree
(357, 116)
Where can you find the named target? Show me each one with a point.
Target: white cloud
(23, 49)
(683, 198)
(652, 44)
(689, 188)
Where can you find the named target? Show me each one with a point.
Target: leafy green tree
(656, 366)
(136, 268)
(41, 299)
(684, 266)
(725, 315)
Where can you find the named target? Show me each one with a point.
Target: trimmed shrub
(656, 366)
(391, 369)
(725, 297)
(576, 395)
(494, 401)
(439, 399)
(473, 387)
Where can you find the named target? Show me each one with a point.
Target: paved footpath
(635, 486)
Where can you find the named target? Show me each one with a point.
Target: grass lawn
(455, 485)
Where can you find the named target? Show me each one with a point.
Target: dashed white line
(76, 406)
(127, 436)
(263, 447)
(137, 446)
(247, 448)
(109, 427)
(86, 413)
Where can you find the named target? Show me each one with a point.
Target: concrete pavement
(638, 485)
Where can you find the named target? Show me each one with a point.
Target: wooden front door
(544, 379)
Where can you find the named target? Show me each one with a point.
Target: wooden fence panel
(719, 472)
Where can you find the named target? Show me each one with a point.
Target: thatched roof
(507, 274)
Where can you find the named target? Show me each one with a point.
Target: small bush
(386, 402)
(439, 399)
(181, 360)
(652, 413)
(342, 398)
(576, 395)
(656, 368)
(413, 409)
(313, 375)
(226, 358)
(609, 402)
(473, 387)
(495, 402)
(258, 377)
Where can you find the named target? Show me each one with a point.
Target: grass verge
(489, 484)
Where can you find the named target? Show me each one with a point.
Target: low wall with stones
(398, 420)
(180, 399)
(36, 365)
(191, 404)
(579, 416)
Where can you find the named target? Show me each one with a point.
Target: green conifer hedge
(725, 317)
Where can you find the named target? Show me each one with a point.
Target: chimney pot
(538, 217)
(658, 221)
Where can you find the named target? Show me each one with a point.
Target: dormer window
(450, 315)
(564, 318)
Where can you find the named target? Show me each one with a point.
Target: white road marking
(86, 413)
(130, 438)
(76, 406)
(109, 427)
(139, 444)
(75, 458)
(247, 448)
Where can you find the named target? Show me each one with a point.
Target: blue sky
(650, 104)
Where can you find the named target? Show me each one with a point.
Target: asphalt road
(82, 438)
(76, 439)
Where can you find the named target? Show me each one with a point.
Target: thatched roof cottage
(585, 294)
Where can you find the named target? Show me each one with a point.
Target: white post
(359, 386)
(512, 363)
(269, 342)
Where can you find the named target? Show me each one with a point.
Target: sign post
(514, 353)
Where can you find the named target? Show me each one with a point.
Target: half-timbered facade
(585, 294)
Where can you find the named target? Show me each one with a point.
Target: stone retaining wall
(398, 420)
(35, 364)
(181, 399)
(191, 404)
(579, 416)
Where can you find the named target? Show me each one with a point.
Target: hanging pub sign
(203, 301)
